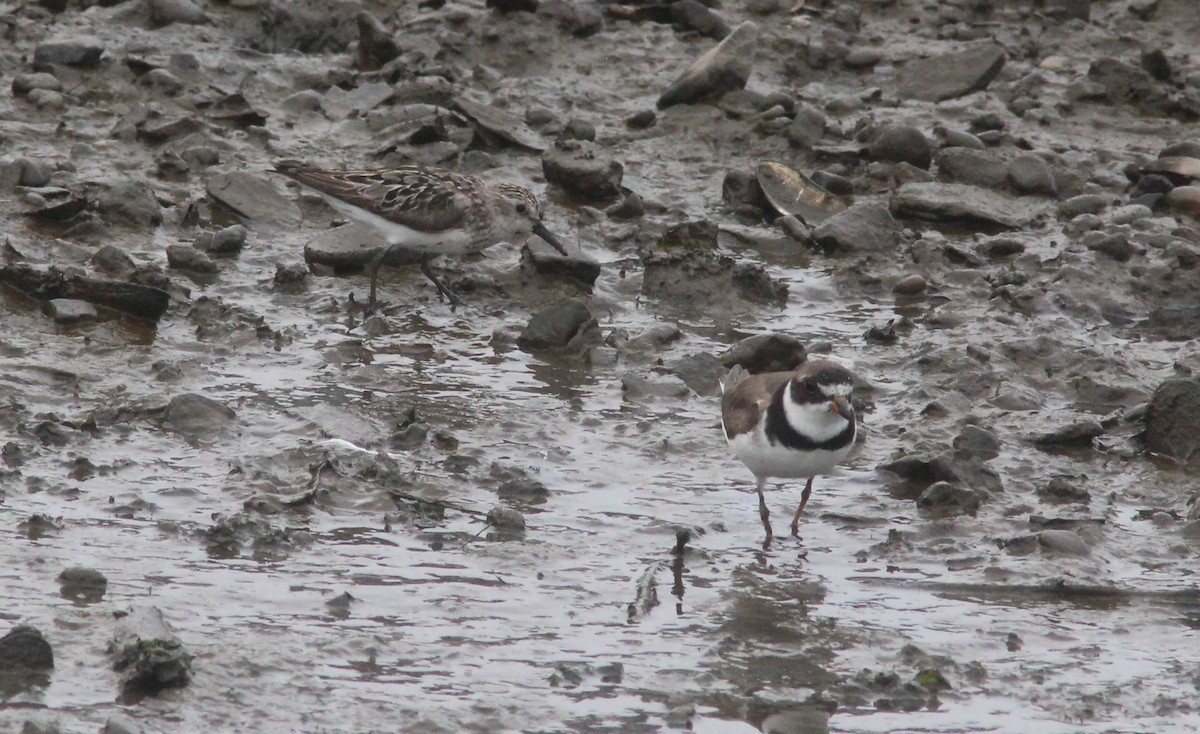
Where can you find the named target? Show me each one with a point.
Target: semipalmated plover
(426, 212)
(789, 425)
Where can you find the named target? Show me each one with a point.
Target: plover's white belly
(766, 460)
(446, 242)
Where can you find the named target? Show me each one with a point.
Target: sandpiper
(425, 212)
(789, 425)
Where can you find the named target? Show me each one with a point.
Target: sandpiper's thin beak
(841, 405)
(540, 230)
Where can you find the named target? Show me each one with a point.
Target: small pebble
(909, 285)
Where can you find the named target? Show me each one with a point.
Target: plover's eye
(521, 208)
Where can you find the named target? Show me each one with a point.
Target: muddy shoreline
(468, 519)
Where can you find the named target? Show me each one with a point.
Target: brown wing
(745, 402)
(424, 199)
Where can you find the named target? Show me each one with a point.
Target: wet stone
(943, 499)
(555, 327)
(951, 75)
(506, 519)
(978, 441)
(376, 46)
(166, 12)
(182, 257)
(805, 720)
(1130, 85)
(226, 242)
(635, 387)
(576, 167)
(1063, 490)
(129, 201)
(23, 84)
(1082, 204)
(960, 202)
(83, 585)
(642, 120)
(68, 311)
(84, 52)
(580, 18)
(766, 353)
(1173, 419)
(701, 372)
(693, 15)
(25, 649)
(970, 166)
(1064, 542)
(807, 127)
(1030, 174)
(909, 285)
(865, 227)
(1080, 433)
(1115, 246)
(148, 654)
(698, 235)
(195, 415)
(724, 68)
(901, 143)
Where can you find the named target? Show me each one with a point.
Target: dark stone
(1173, 419)
(951, 75)
(1079, 433)
(182, 257)
(1082, 204)
(82, 53)
(1030, 174)
(641, 120)
(766, 353)
(129, 201)
(195, 416)
(556, 326)
(741, 191)
(970, 166)
(539, 257)
(631, 207)
(701, 372)
(1131, 85)
(376, 46)
(149, 656)
(943, 499)
(977, 442)
(724, 68)
(698, 235)
(865, 227)
(512, 6)
(807, 127)
(1068, 9)
(693, 15)
(901, 144)
(82, 585)
(634, 386)
(226, 242)
(574, 167)
(23, 84)
(1116, 246)
(961, 202)
(1061, 490)
(833, 183)
(580, 18)
(578, 129)
(24, 649)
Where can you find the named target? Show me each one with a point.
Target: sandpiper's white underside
(447, 242)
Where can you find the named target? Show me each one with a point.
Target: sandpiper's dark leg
(763, 512)
(442, 290)
(373, 266)
(803, 501)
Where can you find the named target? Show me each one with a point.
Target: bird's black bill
(540, 230)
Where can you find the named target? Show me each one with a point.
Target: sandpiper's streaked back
(425, 212)
(789, 425)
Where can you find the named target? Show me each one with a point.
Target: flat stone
(254, 197)
(865, 227)
(766, 353)
(943, 499)
(1030, 174)
(83, 52)
(951, 75)
(1064, 542)
(1078, 433)
(195, 415)
(71, 311)
(555, 327)
(725, 67)
(23, 84)
(971, 166)
(182, 257)
(579, 168)
(960, 202)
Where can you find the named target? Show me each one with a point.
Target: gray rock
(131, 201)
(1078, 433)
(23, 84)
(121, 724)
(575, 167)
(742, 193)
(1116, 246)
(376, 45)
(698, 235)
(943, 499)
(150, 657)
(1063, 542)
(862, 58)
(806, 720)
(970, 166)
(506, 519)
(1131, 85)
(960, 202)
(166, 12)
(253, 197)
(765, 353)
(865, 227)
(538, 256)
(631, 207)
(703, 279)
(701, 372)
(226, 242)
(951, 75)
(1173, 419)
(83, 52)
(960, 139)
(807, 127)
(977, 442)
(642, 120)
(901, 143)
(557, 326)
(32, 726)
(1030, 174)
(25, 172)
(578, 129)
(1082, 204)
(1068, 9)
(67, 311)
(909, 285)
(24, 649)
(196, 416)
(636, 387)
(182, 257)
(580, 18)
(114, 261)
(724, 68)
(1062, 490)
(695, 16)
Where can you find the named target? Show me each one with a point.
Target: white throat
(815, 421)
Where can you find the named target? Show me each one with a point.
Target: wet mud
(520, 514)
